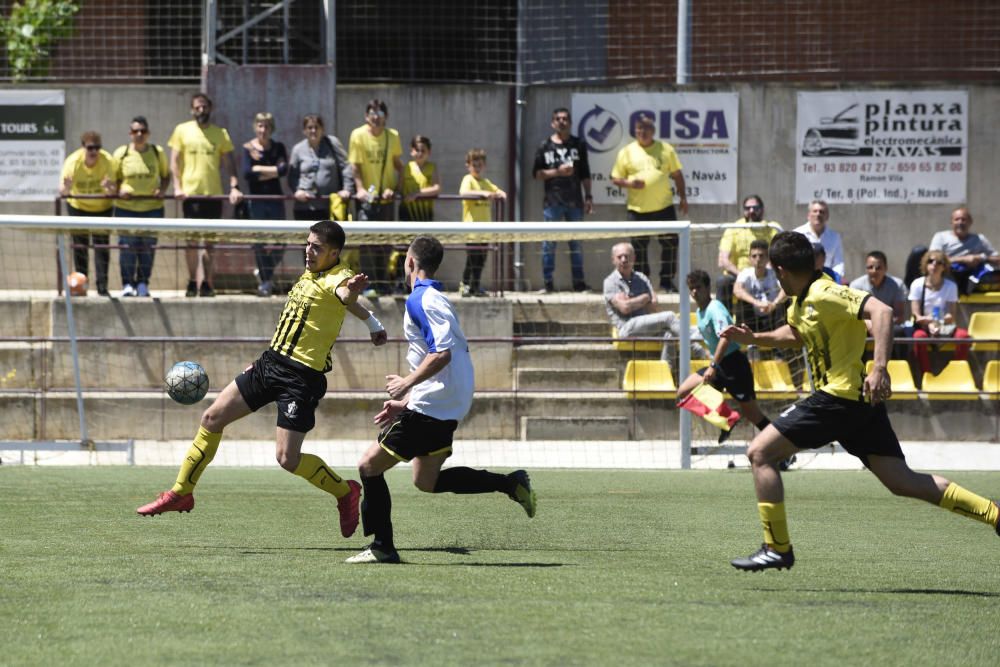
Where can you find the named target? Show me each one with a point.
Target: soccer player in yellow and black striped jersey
(847, 406)
(291, 374)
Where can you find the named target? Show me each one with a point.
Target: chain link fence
(530, 42)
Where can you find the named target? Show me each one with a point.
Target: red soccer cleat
(168, 501)
(349, 509)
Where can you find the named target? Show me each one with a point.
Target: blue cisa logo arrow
(600, 129)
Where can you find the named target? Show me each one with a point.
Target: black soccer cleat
(997, 527)
(765, 558)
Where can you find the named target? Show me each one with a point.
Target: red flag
(708, 403)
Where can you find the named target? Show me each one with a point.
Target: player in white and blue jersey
(419, 421)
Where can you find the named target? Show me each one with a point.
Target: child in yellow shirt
(476, 210)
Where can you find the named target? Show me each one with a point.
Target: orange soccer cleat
(168, 501)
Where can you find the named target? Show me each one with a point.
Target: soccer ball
(77, 283)
(187, 382)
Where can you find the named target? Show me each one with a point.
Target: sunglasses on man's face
(138, 130)
(92, 147)
(935, 261)
(752, 208)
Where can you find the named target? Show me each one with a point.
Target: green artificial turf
(617, 568)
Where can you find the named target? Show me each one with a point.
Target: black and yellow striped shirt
(829, 319)
(311, 319)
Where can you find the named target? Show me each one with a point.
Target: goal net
(81, 373)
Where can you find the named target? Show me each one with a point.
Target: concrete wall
(457, 118)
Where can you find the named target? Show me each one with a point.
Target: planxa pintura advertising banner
(882, 146)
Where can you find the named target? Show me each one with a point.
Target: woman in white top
(933, 300)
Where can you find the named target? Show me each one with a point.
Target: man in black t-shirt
(561, 162)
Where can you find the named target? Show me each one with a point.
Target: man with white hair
(817, 231)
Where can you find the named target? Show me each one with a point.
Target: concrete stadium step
(567, 379)
(568, 355)
(565, 328)
(595, 428)
(30, 415)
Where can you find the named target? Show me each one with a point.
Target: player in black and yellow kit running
(847, 406)
(290, 373)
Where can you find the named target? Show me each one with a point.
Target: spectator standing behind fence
(758, 289)
(140, 170)
(933, 301)
(420, 182)
(420, 185)
(264, 163)
(734, 247)
(198, 150)
(561, 162)
(376, 153)
(817, 230)
(973, 259)
(317, 170)
(642, 167)
(476, 210)
(88, 171)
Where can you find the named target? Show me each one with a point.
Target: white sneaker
(128, 290)
(142, 290)
(374, 555)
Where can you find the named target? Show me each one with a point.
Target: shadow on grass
(906, 591)
(458, 551)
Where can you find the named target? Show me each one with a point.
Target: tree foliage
(30, 31)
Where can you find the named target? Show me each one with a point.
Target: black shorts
(861, 428)
(414, 434)
(734, 375)
(296, 389)
(210, 209)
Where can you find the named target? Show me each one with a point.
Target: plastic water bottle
(936, 314)
(371, 193)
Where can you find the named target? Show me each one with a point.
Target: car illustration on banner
(834, 136)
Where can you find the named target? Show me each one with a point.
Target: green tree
(30, 30)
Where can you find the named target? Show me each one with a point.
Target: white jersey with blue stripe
(430, 324)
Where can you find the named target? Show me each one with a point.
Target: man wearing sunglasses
(734, 248)
(88, 171)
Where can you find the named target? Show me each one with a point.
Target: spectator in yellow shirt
(644, 168)
(198, 151)
(476, 209)
(88, 171)
(376, 153)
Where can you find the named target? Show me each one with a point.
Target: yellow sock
(965, 502)
(199, 455)
(772, 515)
(316, 472)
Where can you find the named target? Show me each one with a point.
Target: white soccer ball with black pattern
(187, 382)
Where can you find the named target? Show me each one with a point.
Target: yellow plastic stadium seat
(984, 325)
(698, 364)
(628, 345)
(773, 379)
(903, 385)
(980, 298)
(649, 379)
(991, 377)
(954, 382)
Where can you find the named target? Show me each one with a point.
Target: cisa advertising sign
(882, 147)
(32, 144)
(702, 127)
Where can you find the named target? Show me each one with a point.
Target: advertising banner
(882, 147)
(702, 127)
(32, 144)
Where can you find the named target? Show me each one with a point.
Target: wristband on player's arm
(373, 324)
